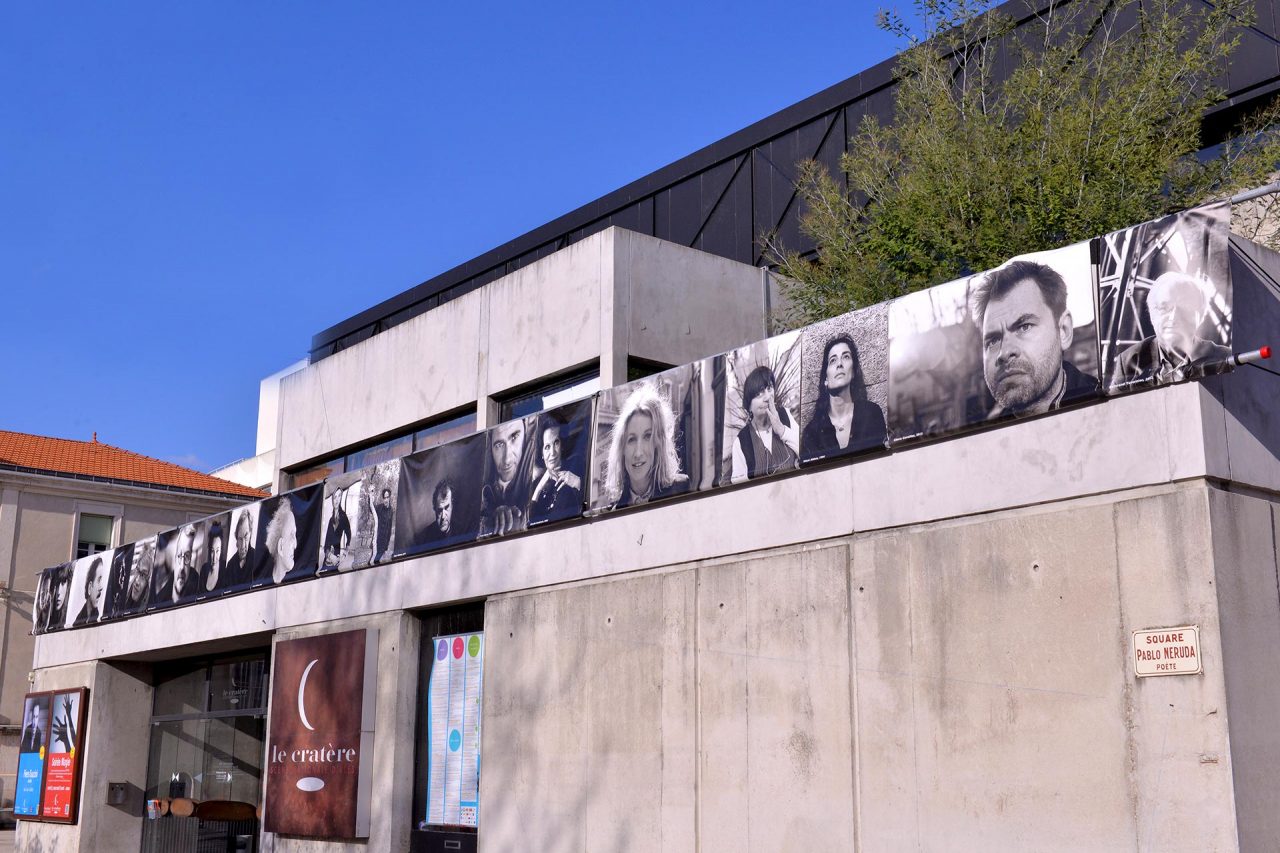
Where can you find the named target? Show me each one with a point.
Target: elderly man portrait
(1177, 305)
(1021, 312)
(33, 737)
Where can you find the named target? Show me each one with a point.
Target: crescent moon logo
(302, 688)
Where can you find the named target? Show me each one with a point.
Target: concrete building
(929, 649)
(60, 499)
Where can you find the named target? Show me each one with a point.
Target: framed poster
(32, 747)
(49, 755)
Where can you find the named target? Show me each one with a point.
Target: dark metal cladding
(721, 198)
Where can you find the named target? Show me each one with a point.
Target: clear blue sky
(189, 191)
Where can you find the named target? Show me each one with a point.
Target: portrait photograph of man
(190, 554)
(163, 570)
(242, 548)
(1016, 341)
(438, 501)
(119, 562)
(216, 546)
(290, 536)
(1166, 299)
(508, 477)
(135, 590)
(844, 384)
(32, 744)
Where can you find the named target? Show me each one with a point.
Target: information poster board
(49, 755)
(453, 739)
(31, 751)
(62, 764)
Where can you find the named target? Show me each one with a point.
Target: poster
(453, 737)
(654, 438)
(358, 517)
(191, 553)
(43, 602)
(217, 536)
(120, 563)
(131, 596)
(59, 596)
(163, 570)
(561, 445)
(759, 428)
(88, 585)
(439, 499)
(1016, 341)
(289, 529)
(508, 477)
(844, 384)
(318, 775)
(62, 766)
(242, 551)
(1164, 291)
(32, 746)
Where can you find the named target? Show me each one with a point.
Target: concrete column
(615, 304)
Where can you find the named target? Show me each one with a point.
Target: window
(639, 368)
(94, 534)
(208, 731)
(566, 389)
(445, 431)
(452, 427)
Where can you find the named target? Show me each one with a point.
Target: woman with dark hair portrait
(558, 493)
(44, 602)
(770, 441)
(843, 419)
(643, 464)
(212, 567)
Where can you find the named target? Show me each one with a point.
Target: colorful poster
(31, 751)
(453, 737)
(60, 775)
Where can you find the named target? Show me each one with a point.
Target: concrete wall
(600, 298)
(959, 686)
(114, 748)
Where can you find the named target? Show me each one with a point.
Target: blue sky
(190, 191)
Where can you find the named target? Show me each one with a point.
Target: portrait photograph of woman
(844, 386)
(653, 439)
(759, 427)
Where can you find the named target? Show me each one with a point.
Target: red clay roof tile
(94, 459)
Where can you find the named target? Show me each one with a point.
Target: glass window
(563, 390)
(95, 534)
(387, 450)
(445, 431)
(208, 732)
(315, 473)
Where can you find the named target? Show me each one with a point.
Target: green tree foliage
(1082, 120)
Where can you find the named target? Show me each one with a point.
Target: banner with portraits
(289, 530)
(358, 517)
(759, 425)
(1016, 341)
(654, 438)
(1141, 307)
(439, 496)
(844, 385)
(1164, 292)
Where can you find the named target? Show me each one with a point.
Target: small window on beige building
(94, 534)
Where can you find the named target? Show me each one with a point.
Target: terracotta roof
(94, 459)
